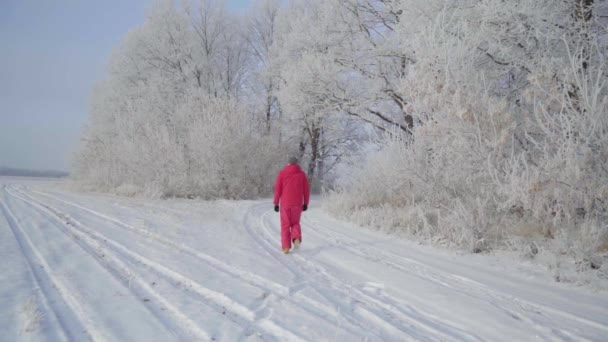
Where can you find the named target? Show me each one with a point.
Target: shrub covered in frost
(512, 146)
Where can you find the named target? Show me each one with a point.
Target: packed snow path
(106, 268)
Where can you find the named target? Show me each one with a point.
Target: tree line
(469, 122)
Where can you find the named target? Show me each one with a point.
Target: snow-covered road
(105, 268)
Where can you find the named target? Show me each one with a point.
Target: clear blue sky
(51, 54)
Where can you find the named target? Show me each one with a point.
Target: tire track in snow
(382, 310)
(350, 245)
(219, 301)
(299, 276)
(456, 284)
(70, 320)
(121, 272)
(398, 263)
(289, 294)
(512, 305)
(251, 278)
(274, 253)
(359, 310)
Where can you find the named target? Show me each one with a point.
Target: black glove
(305, 207)
(276, 208)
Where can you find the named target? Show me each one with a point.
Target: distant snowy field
(105, 268)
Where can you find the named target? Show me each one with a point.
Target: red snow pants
(290, 225)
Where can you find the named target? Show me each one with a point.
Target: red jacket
(291, 187)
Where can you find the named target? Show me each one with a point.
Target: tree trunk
(583, 13)
(314, 134)
(321, 164)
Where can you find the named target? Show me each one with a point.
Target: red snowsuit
(291, 189)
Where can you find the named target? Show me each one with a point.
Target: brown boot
(285, 250)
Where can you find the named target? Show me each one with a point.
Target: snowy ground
(106, 268)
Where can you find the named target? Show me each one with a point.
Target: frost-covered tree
(261, 27)
(511, 97)
(319, 93)
(190, 56)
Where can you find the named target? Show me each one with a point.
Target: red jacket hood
(292, 168)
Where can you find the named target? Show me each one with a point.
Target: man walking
(292, 192)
